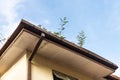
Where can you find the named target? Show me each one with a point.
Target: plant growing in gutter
(42, 27)
(81, 38)
(63, 22)
(2, 39)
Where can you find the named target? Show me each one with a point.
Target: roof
(26, 25)
(27, 34)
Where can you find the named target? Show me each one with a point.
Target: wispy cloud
(114, 17)
(8, 15)
(46, 21)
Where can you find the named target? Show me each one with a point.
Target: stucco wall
(17, 71)
(42, 70)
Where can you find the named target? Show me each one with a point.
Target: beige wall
(17, 71)
(42, 70)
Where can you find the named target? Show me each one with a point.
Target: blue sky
(100, 19)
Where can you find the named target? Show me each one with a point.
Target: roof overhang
(54, 49)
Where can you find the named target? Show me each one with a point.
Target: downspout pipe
(36, 47)
(32, 55)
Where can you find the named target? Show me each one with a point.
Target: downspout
(29, 74)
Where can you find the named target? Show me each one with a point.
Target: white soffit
(73, 60)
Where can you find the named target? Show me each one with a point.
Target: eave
(66, 44)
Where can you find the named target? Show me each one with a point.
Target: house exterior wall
(18, 71)
(42, 70)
